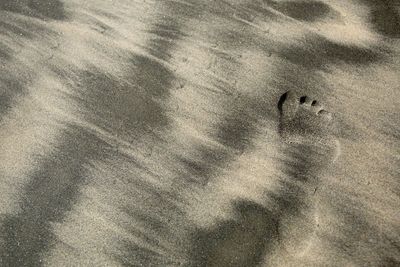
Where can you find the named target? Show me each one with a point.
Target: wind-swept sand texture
(199, 133)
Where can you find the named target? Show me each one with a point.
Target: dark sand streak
(385, 16)
(152, 81)
(46, 9)
(302, 10)
(50, 194)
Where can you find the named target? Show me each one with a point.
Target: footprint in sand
(289, 227)
(309, 131)
(304, 120)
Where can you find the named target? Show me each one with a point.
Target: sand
(148, 133)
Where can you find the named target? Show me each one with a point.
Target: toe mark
(314, 103)
(303, 99)
(282, 99)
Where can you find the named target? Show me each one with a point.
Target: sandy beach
(199, 133)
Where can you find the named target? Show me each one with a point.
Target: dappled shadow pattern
(319, 52)
(50, 194)
(11, 86)
(385, 16)
(302, 10)
(46, 9)
(127, 106)
(238, 242)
